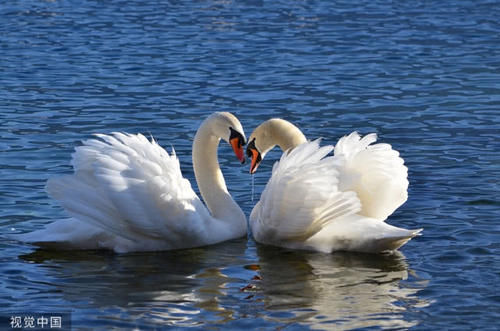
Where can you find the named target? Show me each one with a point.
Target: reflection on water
(345, 290)
(153, 288)
(222, 286)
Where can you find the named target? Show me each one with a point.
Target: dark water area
(425, 76)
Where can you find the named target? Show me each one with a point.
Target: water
(253, 188)
(425, 76)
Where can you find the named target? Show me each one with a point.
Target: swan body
(128, 194)
(328, 203)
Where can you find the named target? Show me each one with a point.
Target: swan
(328, 203)
(128, 194)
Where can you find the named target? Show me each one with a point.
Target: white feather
(375, 172)
(301, 197)
(127, 194)
(327, 203)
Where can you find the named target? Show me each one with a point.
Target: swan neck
(287, 136)
(209, 177)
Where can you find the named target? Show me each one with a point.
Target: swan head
(270, 133)
(227, 127)
(255, 155)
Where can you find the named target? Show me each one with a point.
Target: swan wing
(375, 172)
(132, 188)
(302, 196)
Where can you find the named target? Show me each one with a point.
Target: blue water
(424, 75)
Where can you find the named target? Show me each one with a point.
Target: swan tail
(392, 243)
(82, 199)
(361, 234)
(375, 172)
(63, 234)
(73, 234)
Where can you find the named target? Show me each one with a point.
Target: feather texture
(128, 194)
(375, 172)
(302, 196)
(326, 203)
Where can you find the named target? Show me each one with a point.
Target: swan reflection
(345, 290)
(224, 285)
(173, 288)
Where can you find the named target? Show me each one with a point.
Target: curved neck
(209, 177)
(287, 136)
(278, 132)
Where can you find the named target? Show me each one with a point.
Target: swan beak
(256, 158)
(238, 149)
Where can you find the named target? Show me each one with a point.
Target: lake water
(423, 75)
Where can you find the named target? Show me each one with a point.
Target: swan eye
(254, 154)
(235, 134)
(250, 147)
(237, 141)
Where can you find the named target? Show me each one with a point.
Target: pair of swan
(128, 194)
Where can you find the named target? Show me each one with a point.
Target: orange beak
(255, 160)
(238, 149)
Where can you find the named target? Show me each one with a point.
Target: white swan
(328, 203)
(128, 194)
